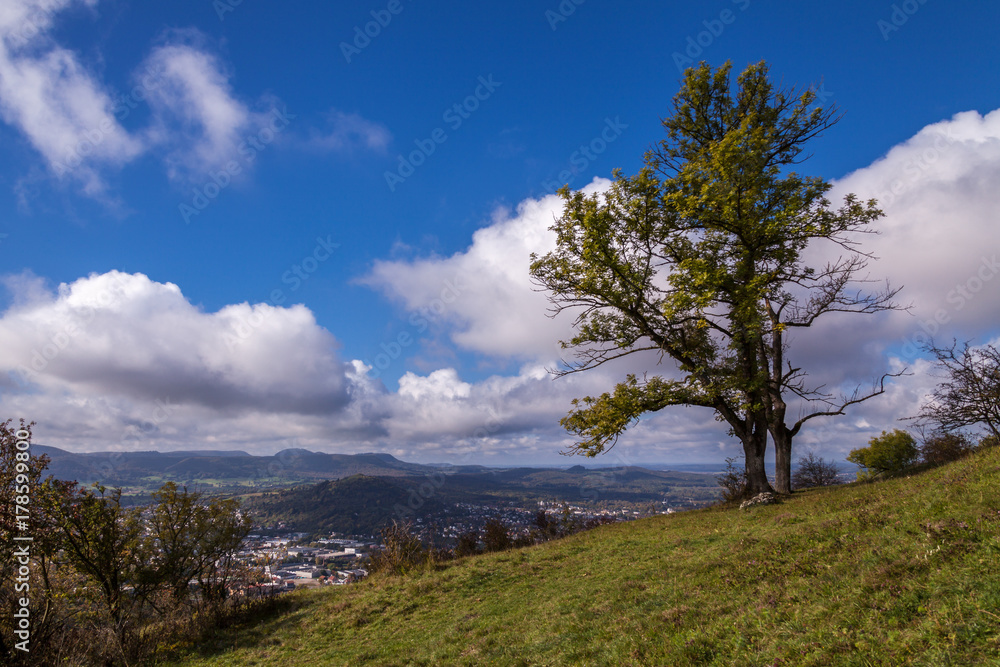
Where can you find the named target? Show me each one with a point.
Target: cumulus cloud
(118, 344)
(937, 240)
(485, 292)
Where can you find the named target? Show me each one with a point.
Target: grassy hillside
(902, 572)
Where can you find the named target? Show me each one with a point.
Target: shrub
(496, 536)
(944, 447)
(989, 441)
(813, 471)
(468, 544)
(886, 453)
(733, 482)
(401, 550)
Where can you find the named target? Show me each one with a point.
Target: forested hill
(357, 505)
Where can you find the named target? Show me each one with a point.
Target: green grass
(900, 572)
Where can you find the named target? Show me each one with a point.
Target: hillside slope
(902, 572)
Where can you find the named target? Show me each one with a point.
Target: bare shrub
(814, 471)
(733, 482)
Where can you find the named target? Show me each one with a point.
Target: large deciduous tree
(700, 257)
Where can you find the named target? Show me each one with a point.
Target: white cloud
(198, 121)
(126, 337)
(345, 131)
(485, 292)
(64, 112)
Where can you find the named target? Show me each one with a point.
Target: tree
(401, 550)
(699, 258)
(942, 448)
(814, 471)
(195, 540)
(970, 394)
(886, 453)
(496, 536)
(102, 539)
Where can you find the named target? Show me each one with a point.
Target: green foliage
(107, 580)
(943, 448)
(496, 536)
(814, 471)
(700, 258)
(886, 453)
(467, 544)
(194, 539)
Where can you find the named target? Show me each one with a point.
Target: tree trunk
(754, 447)
(782, 460)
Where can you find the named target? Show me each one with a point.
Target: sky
(255, 226)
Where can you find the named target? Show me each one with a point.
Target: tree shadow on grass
(249, 627)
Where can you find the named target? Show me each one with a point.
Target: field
(899, 572)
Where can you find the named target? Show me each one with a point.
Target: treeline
(403, 551)
(93, 581)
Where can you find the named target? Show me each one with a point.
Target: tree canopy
(700, 258)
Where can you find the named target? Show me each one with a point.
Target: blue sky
(227, 178)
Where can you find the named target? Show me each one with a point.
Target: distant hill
(237, 468)
(357, 505)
